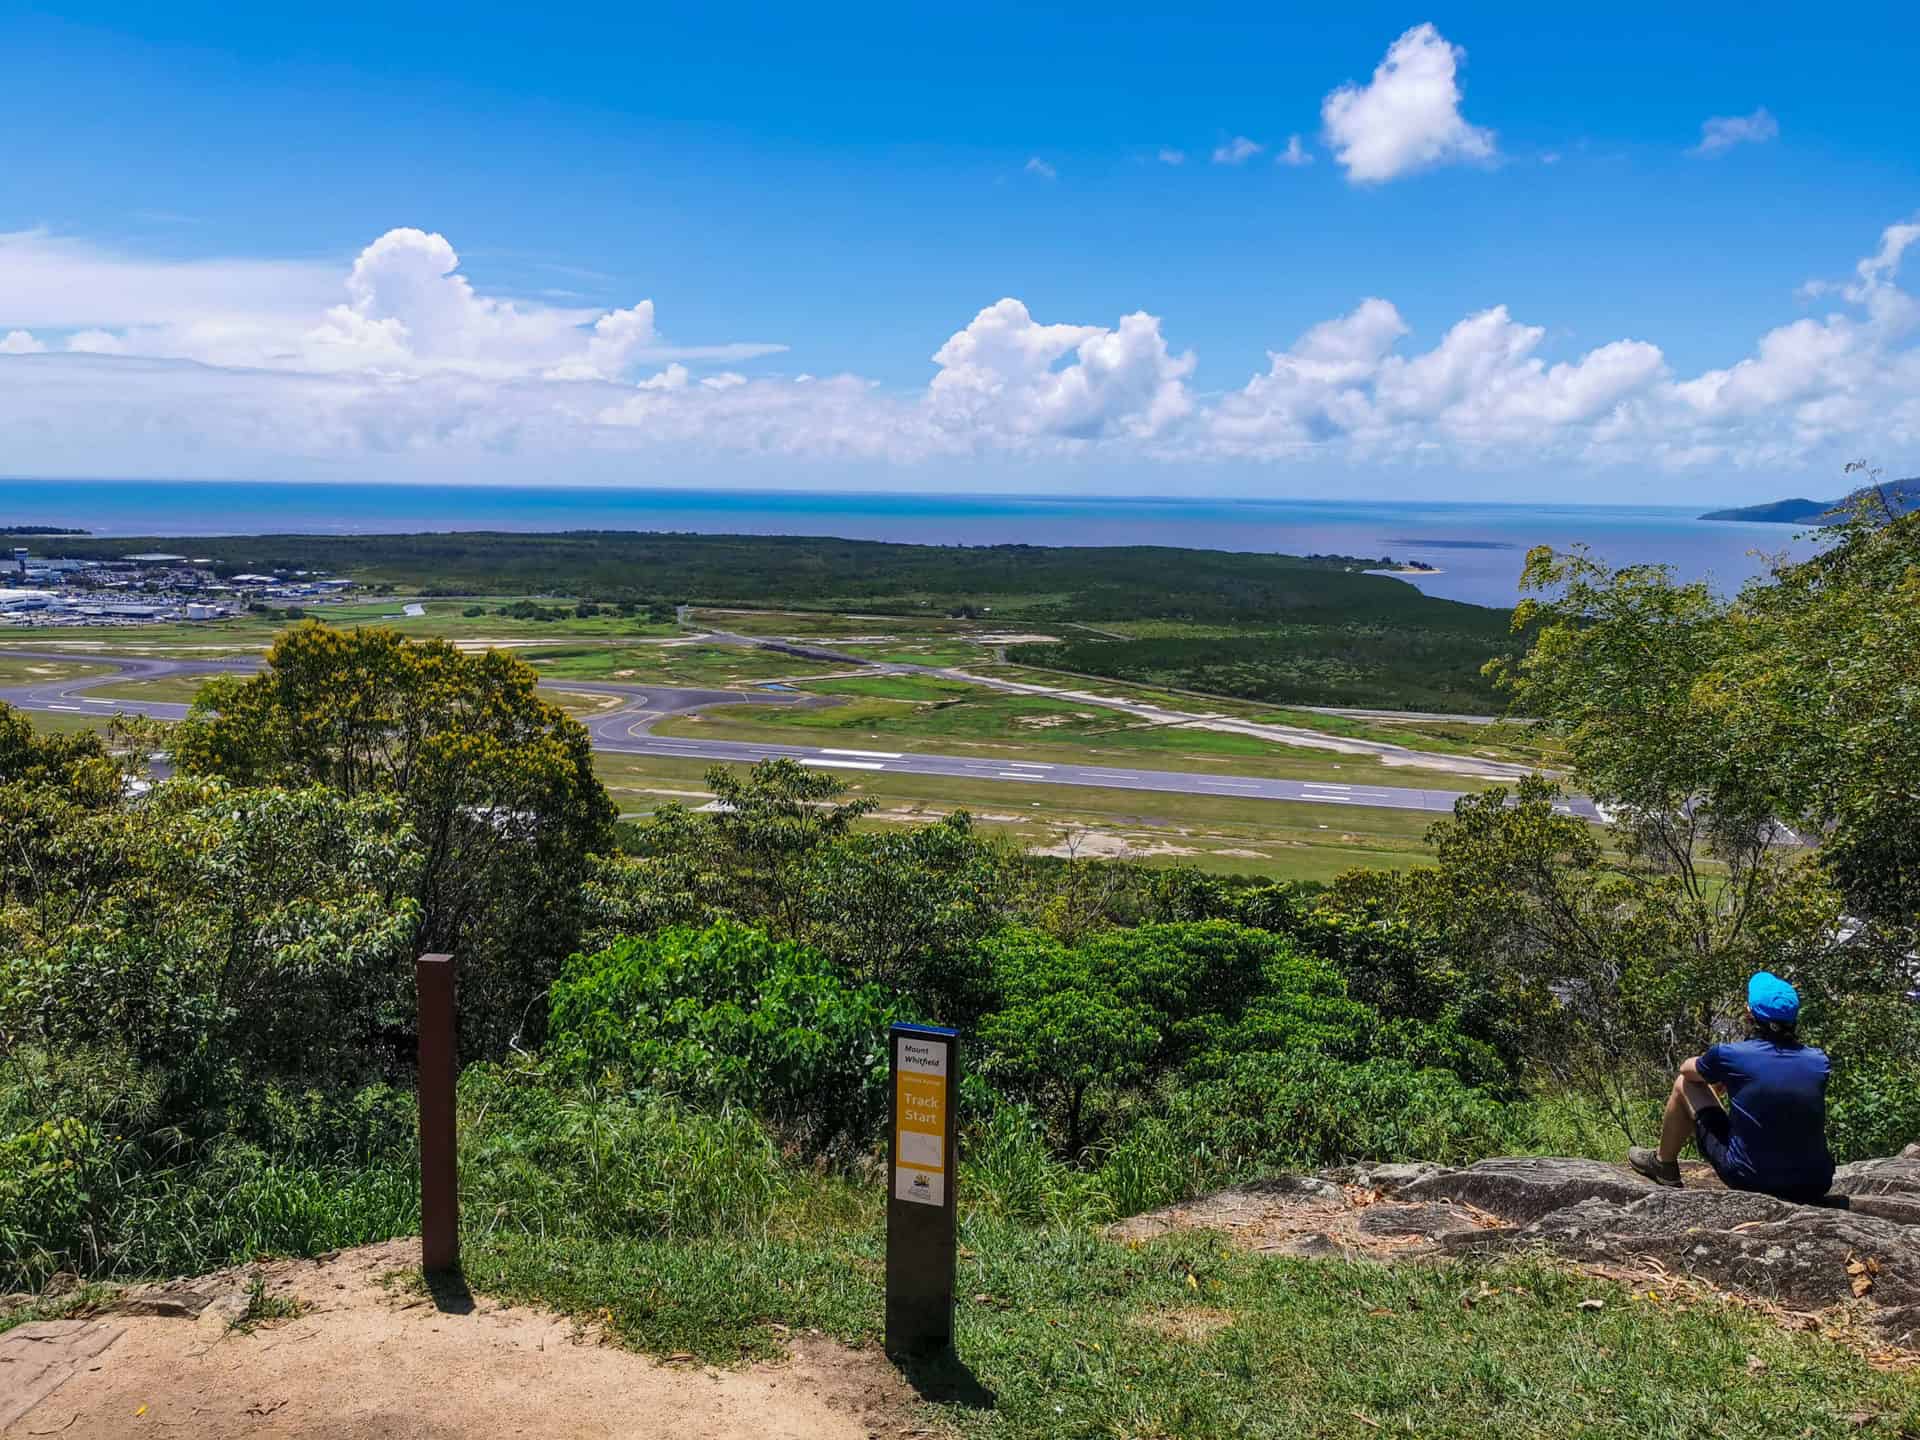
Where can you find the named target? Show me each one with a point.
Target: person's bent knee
(1697, 1094)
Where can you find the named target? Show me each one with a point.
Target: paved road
(628, 730)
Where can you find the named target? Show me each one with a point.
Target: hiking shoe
(1649, 1164)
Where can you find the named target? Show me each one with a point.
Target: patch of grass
(580, 704)
(1070, 1334)
(1286, 840)
(690, 663)
(827, 626)
(174, 689)
(995, 725)
(84, 1300)
(1392, 665)
(67, 722)
(263, 1307)
(919, 688)
(15, 670)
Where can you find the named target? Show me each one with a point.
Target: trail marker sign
(921, 1237)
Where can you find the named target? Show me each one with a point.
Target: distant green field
(15, 671)
(168, 689)
(1392, 666)
(1274, 839)
(992, 583)
(688, 663)
(951, 718)
(1272, 628)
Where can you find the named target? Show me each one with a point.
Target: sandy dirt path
(368, 1359)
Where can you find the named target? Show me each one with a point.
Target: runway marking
(89, 700)
(75, 708)
(1017, 775)
(1028, 765)
(1325, 785)
(864, 754)
(843, 764)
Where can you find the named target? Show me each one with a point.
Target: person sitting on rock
(1775, 1139)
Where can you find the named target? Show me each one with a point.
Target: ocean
(1476, 549)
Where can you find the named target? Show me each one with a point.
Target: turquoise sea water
(1478, 548)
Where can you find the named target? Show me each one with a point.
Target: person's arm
(1708, 1068)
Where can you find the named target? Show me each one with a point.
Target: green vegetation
(673, 1086)
(1073, 1335)
(952, 717)
(681, 662)
(770, 571)
(16, 671)
(1392, 665)
(168, 689)
(1277, 628)
(1154, 829)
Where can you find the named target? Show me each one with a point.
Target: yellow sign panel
(922, 1109)
(920, 1121)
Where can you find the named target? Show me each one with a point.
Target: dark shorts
(1712, 1132)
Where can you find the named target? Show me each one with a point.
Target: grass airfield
(870, 708)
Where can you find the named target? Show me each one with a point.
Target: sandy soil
(367, 1360)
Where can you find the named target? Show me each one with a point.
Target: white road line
(1325, 785)
(1017, 775)
(863, 754)
(89, 700)
(74, 708)
(843, 764)
(1028, 765)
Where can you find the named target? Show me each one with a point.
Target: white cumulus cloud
(407, 362)
(1481, 388)
(1236, 151)
(1723, 132)
(1170, 156)
(1036, 166)
(1295, 154)
(1003, 375)
(1407, 117)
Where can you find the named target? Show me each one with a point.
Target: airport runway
(628, 730)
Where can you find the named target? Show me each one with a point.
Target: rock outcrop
(1862, 1244)
(1524, 1188)
(1800, 1255)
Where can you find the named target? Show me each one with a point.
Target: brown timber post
(439, 1174)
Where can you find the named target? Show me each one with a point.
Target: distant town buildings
(142, 588)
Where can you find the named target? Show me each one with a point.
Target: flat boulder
(1800, 1255)
(1897, 1175)
(1524, 1188)
(1388, 1179)
(1425, 1221)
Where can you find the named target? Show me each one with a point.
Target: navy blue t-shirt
(1777, 1096)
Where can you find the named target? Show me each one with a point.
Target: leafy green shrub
(208, 928)
(1075, 1028)
(1301, 1110)
(540, 1159)
(725, 1015)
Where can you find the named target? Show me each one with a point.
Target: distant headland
(1905, 495)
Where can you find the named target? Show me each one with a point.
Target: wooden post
(921, 1235)
(439, 1173)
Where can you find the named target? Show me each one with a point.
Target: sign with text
(920, 1211)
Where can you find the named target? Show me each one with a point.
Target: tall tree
(496, 784)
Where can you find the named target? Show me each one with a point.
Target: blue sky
(187, 188)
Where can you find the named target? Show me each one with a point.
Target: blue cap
(1771, 998)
